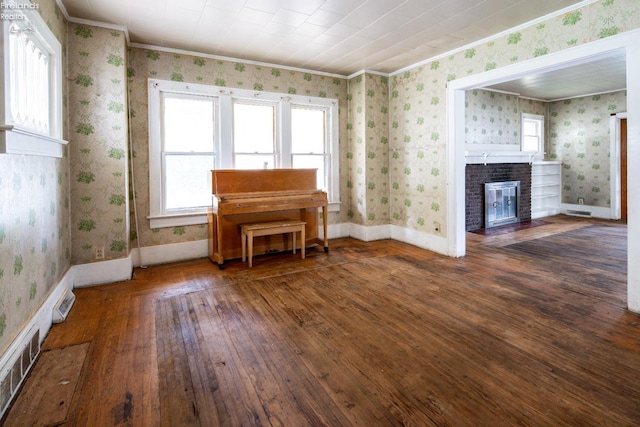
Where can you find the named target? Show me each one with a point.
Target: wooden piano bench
(249, 231)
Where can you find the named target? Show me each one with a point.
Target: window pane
(312, 162)
(187, 181)
(28, 88)
(253, 128)
(530, 143)
(530, 127)
(188, 124)
(253, 161)
(307, 130)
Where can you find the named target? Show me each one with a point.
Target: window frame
(165, 153)
(223, 144)
(277, 134)
(539, 153)
(327, 158)
(15, 138)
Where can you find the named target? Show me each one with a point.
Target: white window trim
(539, 153)
(15, 139)
(223, 149)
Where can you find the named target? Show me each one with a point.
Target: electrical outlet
(581, 200)
(100, 252)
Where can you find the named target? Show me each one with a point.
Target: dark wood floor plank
(529, 328)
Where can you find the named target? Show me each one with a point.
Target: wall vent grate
(586, 214)
(13, 373)
(63, 306)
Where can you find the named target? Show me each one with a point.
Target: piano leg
(324, 228)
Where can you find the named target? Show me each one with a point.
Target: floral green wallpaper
(495, 118)
(579, 137)
(35, 245)
(55, 212)
(418, 111)
(98, 138)
(368, 150)
(417, 192)
(146, 64)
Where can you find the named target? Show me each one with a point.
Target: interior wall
(368, 149)
(495, 118)
(419, 113)
(579, 137)
(98, 138)
(35, 240)
(144, 64)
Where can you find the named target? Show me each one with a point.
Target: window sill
(17, 140)
(178, 220)
(334, 207)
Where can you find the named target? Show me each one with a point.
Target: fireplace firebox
(501, 203)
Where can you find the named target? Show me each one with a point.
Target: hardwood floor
(529, 328)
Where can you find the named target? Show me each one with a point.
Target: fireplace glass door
(501, 203)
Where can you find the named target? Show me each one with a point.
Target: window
(187, 151)
(533, 134)
(31, 116)
(308, 135)
(254, 135)
(196, 128)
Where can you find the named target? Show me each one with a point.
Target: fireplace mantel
(499, 156)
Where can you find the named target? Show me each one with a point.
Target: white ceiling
(603, 73)
(334, 36)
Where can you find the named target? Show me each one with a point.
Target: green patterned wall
(357, 150)
(89, 185)
(98, 142)
(495, 118)
(417, 167)
(580, 132)
(377, 149)
(146, 64)
(35, 243)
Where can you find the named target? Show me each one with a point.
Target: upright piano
(262, 195)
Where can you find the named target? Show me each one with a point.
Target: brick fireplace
(477, 175)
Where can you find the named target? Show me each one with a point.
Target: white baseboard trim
(172, 252)
(416, 238)
(420, 239)
(335, 231)
(118, 270)
(102, 272)
(369, 234)
(41, 320)
(585, 210)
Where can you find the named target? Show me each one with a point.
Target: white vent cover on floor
(63, 306)
(15, 367)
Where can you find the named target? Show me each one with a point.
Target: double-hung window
(533, 134)
(187, 151)
(309, 131)
(196, 128)
(31, 69)
(254, 135)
